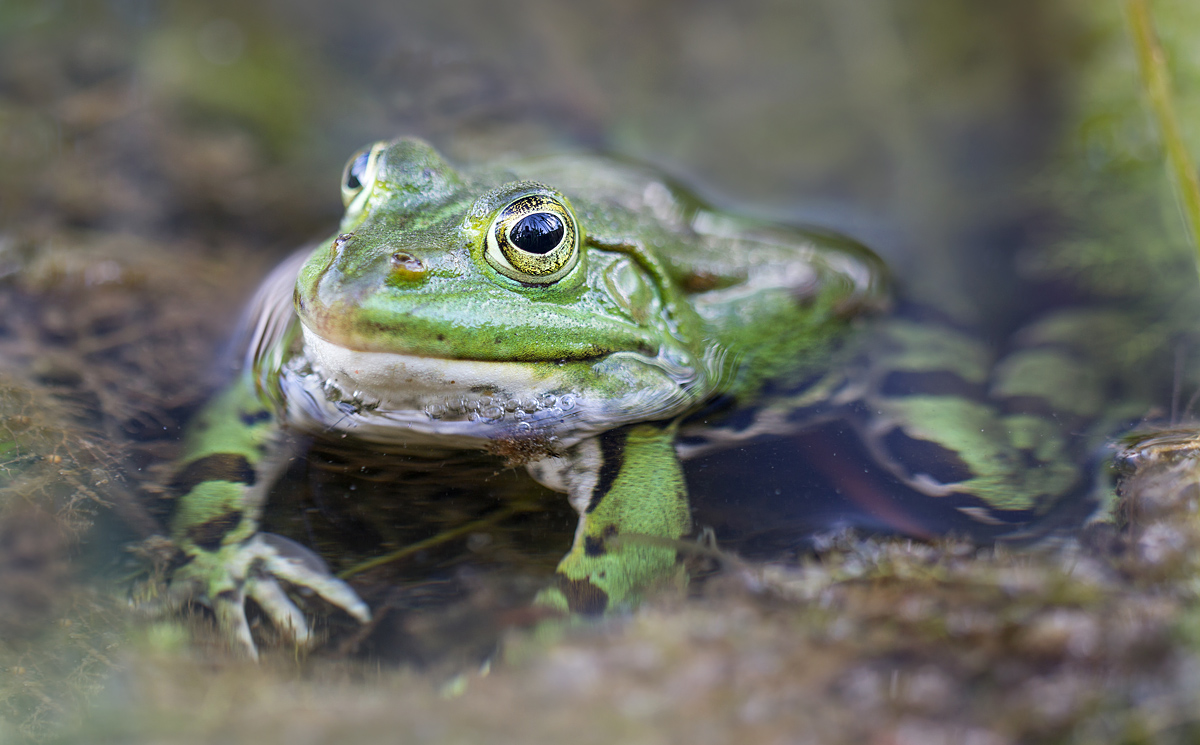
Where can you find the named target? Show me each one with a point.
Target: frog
(595, 323)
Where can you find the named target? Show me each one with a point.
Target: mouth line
(567, 352)
(400, 355)
(420, 379)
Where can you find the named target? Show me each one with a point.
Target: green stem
(1157, 81)
(443, 537)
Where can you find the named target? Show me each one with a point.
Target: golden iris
(534, 239)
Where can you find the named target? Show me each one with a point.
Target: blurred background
(916, 126)
(157, 158)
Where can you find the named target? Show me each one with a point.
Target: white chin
(430, 384)
(400, 398)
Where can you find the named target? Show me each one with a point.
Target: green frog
(590, 322)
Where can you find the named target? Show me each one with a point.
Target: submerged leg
(628, 488)
(234, 451)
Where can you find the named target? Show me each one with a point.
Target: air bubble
(492, 413)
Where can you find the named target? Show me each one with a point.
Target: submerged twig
(445, 536)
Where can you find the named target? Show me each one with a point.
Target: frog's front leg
(234, 451)
(625, 484)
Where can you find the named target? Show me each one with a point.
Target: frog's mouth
(440, 387)
(409, 397)
(391, 396)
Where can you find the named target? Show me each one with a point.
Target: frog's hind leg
(628, 488)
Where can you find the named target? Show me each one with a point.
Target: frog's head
(442, 289)
(431, 264)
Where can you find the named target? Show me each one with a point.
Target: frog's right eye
(359, 174)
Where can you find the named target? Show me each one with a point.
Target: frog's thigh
(625, 483)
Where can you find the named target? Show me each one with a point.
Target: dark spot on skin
(612, 457)
(702, 281)
(208, 535)
(923, 456)
(441, 337)
(215, 467)
(598, 545)
(251, 418)
(583, 597)
(930, 383)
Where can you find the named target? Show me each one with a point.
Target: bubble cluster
(498, 408)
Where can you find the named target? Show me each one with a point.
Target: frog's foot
(253, 569)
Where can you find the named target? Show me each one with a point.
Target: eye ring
(358, 176)
(535, 239)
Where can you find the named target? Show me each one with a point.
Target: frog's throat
(394, 397)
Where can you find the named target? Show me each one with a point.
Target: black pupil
(354, 175)
(539, 233)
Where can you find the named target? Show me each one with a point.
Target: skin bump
(215, 467)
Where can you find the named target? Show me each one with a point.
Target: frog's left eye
(359, 173)
(534, 239)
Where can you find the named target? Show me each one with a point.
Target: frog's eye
(359, 173)
(534, 240)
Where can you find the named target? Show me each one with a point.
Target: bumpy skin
(577, 348)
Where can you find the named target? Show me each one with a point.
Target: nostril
(407, 267)
(408, 261)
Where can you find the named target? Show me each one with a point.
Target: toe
(230, 608)
(308, 571)
(281, 610)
